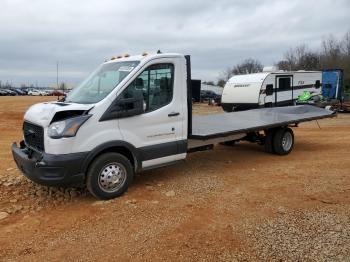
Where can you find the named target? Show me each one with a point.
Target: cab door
(157, 133)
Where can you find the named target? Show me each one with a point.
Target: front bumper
(48, 169)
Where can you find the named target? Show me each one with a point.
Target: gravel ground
(230, 204)
(322, 234)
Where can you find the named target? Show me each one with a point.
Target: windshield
(101, 82)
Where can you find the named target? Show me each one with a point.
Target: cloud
(81, 34)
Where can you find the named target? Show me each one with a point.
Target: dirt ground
(230, 204)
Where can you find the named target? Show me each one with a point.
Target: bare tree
(345, 60)
(224, 76)
(331, 52)
(221, 82)
(299, 58)
(210, 83)
(63, 86)
(309, 61)
(345, 44)
(290, 61)
(284, 65)
(7, 85)
(248, 66)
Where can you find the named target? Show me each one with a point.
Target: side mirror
(132, 106)
(269, 90)
(125, 107)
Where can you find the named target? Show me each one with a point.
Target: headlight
(67, 128)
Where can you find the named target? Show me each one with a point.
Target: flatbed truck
(134, 113)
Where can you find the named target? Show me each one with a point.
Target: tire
(227, 108)
(109, 176)
(229, 143)
(269, 135)
(283, 141)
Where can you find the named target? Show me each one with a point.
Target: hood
(42, 113)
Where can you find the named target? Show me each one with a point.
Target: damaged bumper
(49, 169)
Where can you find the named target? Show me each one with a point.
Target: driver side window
(156, 83)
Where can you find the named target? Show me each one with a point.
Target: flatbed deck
(226, 124)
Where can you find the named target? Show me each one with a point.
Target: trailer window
(156, 83)
(317, 84)
(284, 83)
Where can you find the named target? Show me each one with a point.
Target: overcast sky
(81, 34)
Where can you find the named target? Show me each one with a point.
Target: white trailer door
(284, 90)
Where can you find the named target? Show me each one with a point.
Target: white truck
(268, 89)
(135, 113)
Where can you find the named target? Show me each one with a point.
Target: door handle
(173, 114)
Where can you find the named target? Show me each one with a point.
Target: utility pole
(57, 76)
(57, 87)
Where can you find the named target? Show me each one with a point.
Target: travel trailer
(268, 89)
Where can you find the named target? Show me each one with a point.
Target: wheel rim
(112, 177)
(287, 141)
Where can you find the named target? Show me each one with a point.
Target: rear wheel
(283, 141)
(269, 135)
(109, 176)
(229, 143)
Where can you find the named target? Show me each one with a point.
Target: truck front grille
(33, 136)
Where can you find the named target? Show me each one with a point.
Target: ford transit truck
(134, 113)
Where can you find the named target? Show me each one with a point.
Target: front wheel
(109, 176)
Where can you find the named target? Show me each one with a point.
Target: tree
(224, 76)
(309, 61)
(330, 52)
(210, 83)
(300, 58)
(7, 85)
(345, 44)
(284, 65)
(248, 66)
(221, 82)
(345, 59)
(63, 86)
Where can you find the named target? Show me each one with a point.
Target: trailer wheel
(269, 135)
(109, 176)
(283, 141)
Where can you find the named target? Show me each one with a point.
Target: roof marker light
(126, 55)
(144, 53)
(119, 56)
(113, 57)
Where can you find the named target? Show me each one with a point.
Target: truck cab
(134, 105)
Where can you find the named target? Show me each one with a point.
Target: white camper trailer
(268, 89)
